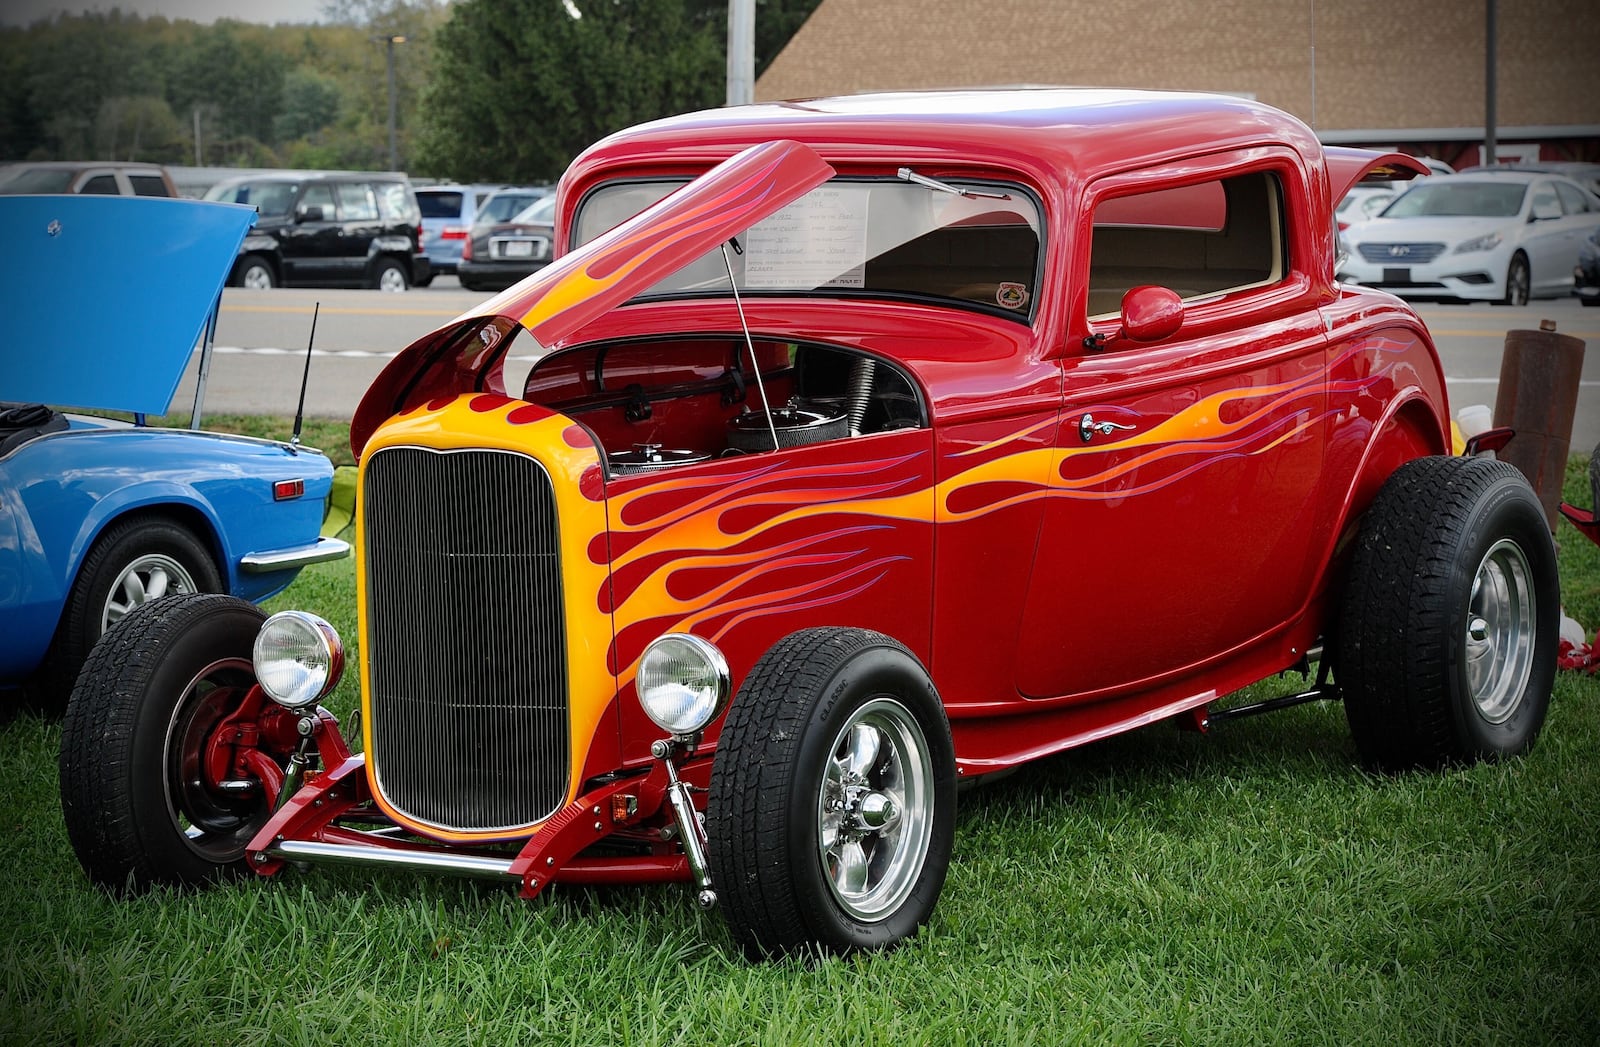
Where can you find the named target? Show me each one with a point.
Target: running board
(1320, 693)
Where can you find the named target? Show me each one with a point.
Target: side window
(356, 202)
(1545, 204)
(101, 185)
(394, 202)
(1199, 240)
(318, 195)
(148, 185)
(1572, 200)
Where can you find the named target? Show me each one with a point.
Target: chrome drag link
(690, 830)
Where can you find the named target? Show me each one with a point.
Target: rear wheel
(1447, 633)
(133, 561)
(389, 275)
(140, 798)
(831, 813)
(255, 273)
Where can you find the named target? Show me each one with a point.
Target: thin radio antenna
(305, 376)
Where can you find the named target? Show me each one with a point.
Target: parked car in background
(100, 515)
(1494, 235)
(940, 433)
(1365, 200)
(328, 230)
(448, 212)
(1586, 280)
(97, 177)
(1584, 173)
(501, 253)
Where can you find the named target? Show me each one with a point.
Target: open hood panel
(107, 296)
(1346, 167)
(558, 300)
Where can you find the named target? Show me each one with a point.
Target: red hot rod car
(871, 440)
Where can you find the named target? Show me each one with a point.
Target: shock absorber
(859, 392)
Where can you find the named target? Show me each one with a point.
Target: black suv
(328, 230)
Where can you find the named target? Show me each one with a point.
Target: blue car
(105, 299)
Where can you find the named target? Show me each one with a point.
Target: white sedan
(1491, 236)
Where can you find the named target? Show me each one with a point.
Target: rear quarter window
(440, 205)
(1199, 240)
(148, 185)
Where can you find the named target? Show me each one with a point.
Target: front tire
(1518, 282)
(136, 791)
(831, 814)
(1446, 649)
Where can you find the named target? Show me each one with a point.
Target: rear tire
(831, 814)
(255, 273)
(135, 795)
(1446, 647)
(389, 275)
(132, 562)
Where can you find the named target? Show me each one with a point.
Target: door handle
(1087, 427)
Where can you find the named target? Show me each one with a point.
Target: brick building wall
(1344, 66)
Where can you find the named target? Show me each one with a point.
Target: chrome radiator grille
(466, 643)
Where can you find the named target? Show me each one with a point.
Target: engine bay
(662, 403)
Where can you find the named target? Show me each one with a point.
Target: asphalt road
(261, 341)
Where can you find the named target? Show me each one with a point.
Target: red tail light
(453, 233)
(466, 250)
(1343, 226)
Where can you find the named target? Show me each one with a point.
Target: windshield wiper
(906, 174)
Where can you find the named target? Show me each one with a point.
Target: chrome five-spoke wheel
(1501, 628)
(875, 811)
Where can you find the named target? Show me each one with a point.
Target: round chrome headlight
(683, 682)
(298, 658)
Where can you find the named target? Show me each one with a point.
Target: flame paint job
(1058, 589)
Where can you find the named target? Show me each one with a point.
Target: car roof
(1046, 129)
(80, 165)
(1501, 174)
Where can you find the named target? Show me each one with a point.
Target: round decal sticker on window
(1011, 295)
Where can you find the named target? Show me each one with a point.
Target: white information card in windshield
(820, 240)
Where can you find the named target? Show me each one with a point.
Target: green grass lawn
(1249, 886)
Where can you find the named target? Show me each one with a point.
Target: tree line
(485, 90)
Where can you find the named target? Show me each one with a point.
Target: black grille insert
(466, 641)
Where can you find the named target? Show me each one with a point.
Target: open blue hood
(105, 298)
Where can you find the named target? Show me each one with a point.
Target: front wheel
(388, 275)
(1518, 282)
(832, 806)
(140, 792)
(1446, 649)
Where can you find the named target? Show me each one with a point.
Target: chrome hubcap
(391, 280)
(150, 577)
(257, 279)
(875, 811)
(1500, 632)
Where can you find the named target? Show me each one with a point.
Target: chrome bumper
(322, 550)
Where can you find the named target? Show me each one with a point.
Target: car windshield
(978, 243)
(1459, 199)
(39, 180)
(540, 212)
(268, 198)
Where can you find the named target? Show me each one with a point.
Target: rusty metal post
(1538, 396)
